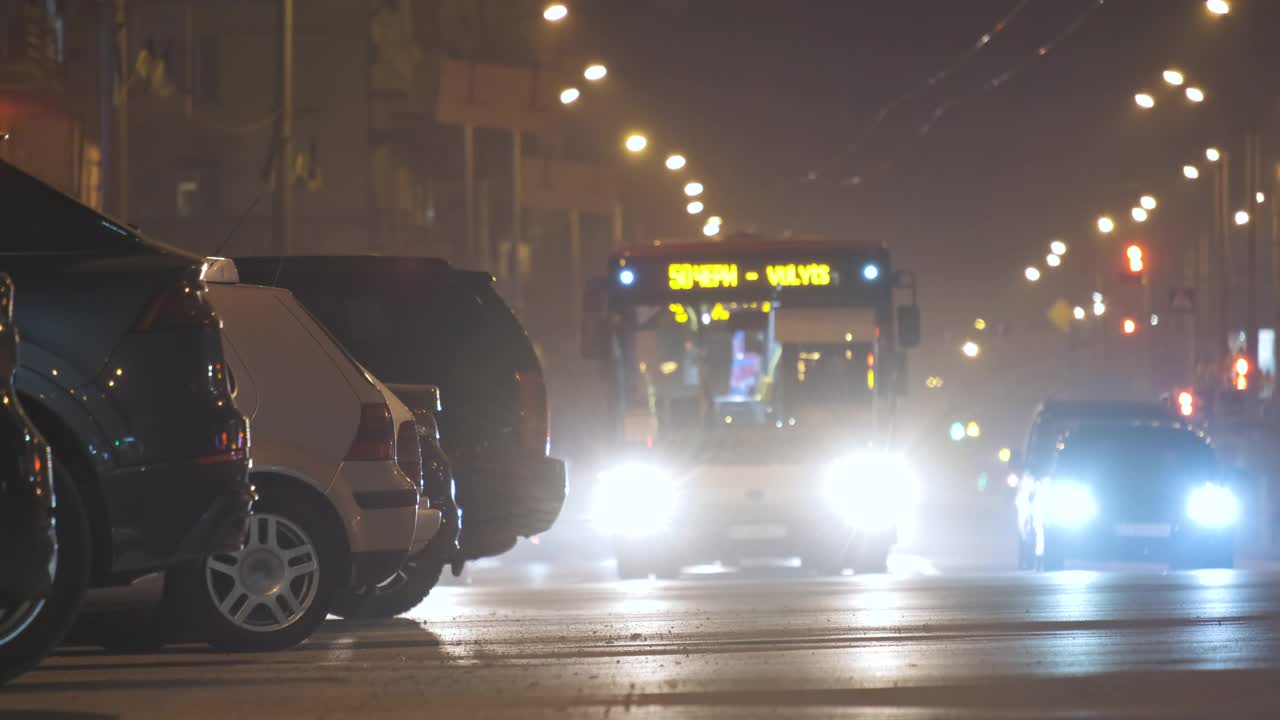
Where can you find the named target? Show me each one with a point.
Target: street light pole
(1253, 171)
(1222, 200)
(282, 220)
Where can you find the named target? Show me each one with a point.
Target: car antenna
(239, 221)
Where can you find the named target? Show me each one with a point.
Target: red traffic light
(1240, 368)
(1135, 255)
(1186, 403)
(1129, 326)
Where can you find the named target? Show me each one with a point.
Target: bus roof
(747, 244)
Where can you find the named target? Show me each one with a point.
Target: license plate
(1147, 530)
(757, 532)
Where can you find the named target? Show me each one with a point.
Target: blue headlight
(627, 276)
(870, 272)
(1213, 506)
(1070, 504)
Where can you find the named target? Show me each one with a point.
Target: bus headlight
(871, 491)
(633, 500)
(1070, 504)
(1213, 506)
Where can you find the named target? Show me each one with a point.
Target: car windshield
(1126, 454)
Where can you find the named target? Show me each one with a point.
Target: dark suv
(122, 371)
(418, 321)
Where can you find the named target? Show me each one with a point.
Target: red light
(871, 360)
(1135, 255)
(1130, 326)
(1242, 366)
(1186, 403)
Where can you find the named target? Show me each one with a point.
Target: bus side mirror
(908, 326)
(593, 330)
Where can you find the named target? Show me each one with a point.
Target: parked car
(1052, 420)
(418, 321)
(122, 372)
(337, 470)
(1136, 491)
(38, 598)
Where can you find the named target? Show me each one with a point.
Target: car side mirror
(908, 326)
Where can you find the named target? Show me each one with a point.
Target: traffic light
(1186, 403)
(1129, 326)
(1240, 372)
(1137, 263)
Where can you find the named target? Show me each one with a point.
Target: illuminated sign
(687, 276)
(710, 276)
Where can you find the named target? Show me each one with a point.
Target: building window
(206, 75)
(188, 198)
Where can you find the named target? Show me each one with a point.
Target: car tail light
(376, 436)
(184, 305)
(229, 446)
(409, 454)
(535, 426)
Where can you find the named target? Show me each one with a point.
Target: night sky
(761, 93)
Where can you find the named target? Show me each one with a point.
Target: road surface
(769, 643)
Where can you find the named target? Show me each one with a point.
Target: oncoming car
(1143, 492)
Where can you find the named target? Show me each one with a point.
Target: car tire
(33, 634)
(397, 595)
(275, 592)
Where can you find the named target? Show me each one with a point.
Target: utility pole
(282, 219)
(1253, 171)
(517, 210)
(121, 155)
(1225, 260)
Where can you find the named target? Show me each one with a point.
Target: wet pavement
(766, 643)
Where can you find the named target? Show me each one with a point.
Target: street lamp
(1260, 197)
(675, 162)
(1099, 308)
(636, 142)
(1053, 260)
(1106, 224)
(693, 189)
(1218, 7)
(1032, 273)
(1190, 172)
(1148, 202)
(595, 72)
(1138, 214)
(1144, 100)
(1057, 247)
(1195, 94)
(555, 12)
(1173, 77)
(694, 207)
(715, 220)
(710, 230)
(1078, 312)
(569, 95)
(1212, 154)
(970, 349)
(1242, 217)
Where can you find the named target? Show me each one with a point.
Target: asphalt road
(760, 644)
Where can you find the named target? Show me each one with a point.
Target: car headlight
(633, 500)
(871, 490)
(1212, 506)
(1069, 504)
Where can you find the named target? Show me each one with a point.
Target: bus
(752, 386)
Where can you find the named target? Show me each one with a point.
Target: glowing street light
(695, 207)
(1190, 172)
(555, 12)
(595, 72)
(676, 162)
(1173, 77)
(1053, 260)
(1260, 197)
(1032, 273)
(636, 143)
(973, 429)
(1138, 214)
(710, 230)
(1078, 312)
(569, 95)
(715, 220)
(1057, 247)
(1099, 309)
(980, 324)
(970, 349)
(1218, 7)
(693, 189)
(1129, 326)
(1106, 225)
(1148, 202)
(1242, 217)
(1212, 154)
(1144, 100)
(1195, 94)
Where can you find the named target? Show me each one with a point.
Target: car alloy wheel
(269, 584)
(15, 620)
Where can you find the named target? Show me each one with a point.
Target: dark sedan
(123, 373)
(38, 597)
(1144, 492)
